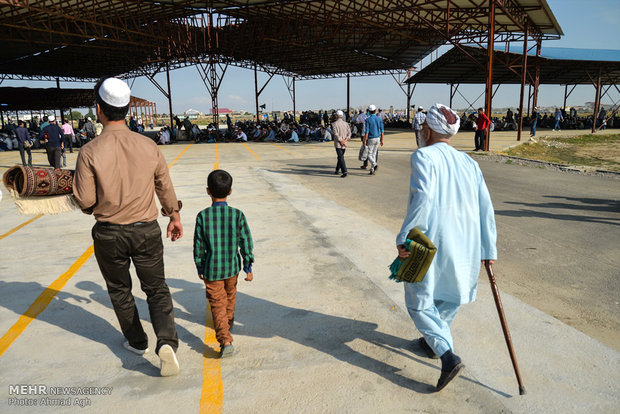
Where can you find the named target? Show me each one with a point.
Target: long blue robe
(450, 203)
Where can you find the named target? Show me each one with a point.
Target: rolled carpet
(40, 190)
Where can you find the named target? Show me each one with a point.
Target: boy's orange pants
(222, 296)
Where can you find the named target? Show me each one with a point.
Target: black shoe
(427, 349)
(376, 167)
(372, 172)
(363, 167)
(447, 376)
(336, 173)
(344, 175)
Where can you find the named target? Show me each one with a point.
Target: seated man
(241, 136)
(325, 134)
(271, 134)
(294, 137)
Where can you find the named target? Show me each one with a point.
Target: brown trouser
(222, 295)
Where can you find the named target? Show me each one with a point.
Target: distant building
(222, 111)
(193, 113)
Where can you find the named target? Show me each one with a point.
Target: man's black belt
(138, 223)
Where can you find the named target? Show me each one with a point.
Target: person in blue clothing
(534, 118)
(449, 202)
(558, 118)
(53, 134)
(373, 137)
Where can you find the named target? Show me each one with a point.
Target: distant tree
(90, 114)
(76, 115)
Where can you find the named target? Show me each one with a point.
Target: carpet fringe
(44, 205)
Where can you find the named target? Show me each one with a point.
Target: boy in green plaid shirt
(222, 233)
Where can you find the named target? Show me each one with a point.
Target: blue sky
(593, 24)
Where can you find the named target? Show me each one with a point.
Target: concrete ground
(321, 329)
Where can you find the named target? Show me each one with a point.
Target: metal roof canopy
(89, 39)
(558, 66)
(21, 99)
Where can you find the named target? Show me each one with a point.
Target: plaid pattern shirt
(222, 233)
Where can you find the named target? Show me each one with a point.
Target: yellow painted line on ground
(8, 233)
(48, 294)
(285, 150)
(41, 302)
(179, 156)
(217, 158)
(249, 149)
(212, 394)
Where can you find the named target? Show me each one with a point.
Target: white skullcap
(340, 113)
(372, 108)
(115, 92)
(443, 120)
(419, 107)
(51, 118)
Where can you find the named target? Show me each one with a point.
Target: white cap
(372, 108)
(420, 108)
(340, 113)
(89, 119)
(51, 118)
(443, 120)
(115, 92)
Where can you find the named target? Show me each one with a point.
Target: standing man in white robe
(450, 203)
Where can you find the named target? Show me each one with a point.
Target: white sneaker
(169, 363)
(134, 350)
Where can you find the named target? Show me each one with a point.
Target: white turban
(443, 120)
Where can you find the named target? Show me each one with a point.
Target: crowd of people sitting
(567, 120)
(86, 131)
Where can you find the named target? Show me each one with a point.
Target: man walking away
(418, 119)
(23, 136)
(116, 178)
(342, 134)
(449, 202)
(53, 134)
(482, 123)
(373, 137)
(68, 135)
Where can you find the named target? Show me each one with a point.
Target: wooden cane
(502, 318)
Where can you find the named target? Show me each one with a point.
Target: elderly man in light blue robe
(450, 203)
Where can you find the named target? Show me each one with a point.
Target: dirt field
(597, 151)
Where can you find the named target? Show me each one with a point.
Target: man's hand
(484, 262)
(249, 277)
(175, 228)
(381, 142)
(402, 251)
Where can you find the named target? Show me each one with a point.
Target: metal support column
(62, 113)
(523, 76)
(408, 102)
(489, 86)
(169, 95)
(597, 101)
(348, 115)
(294, 103)
(256, 92)
(451, 94)
(537, 74)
